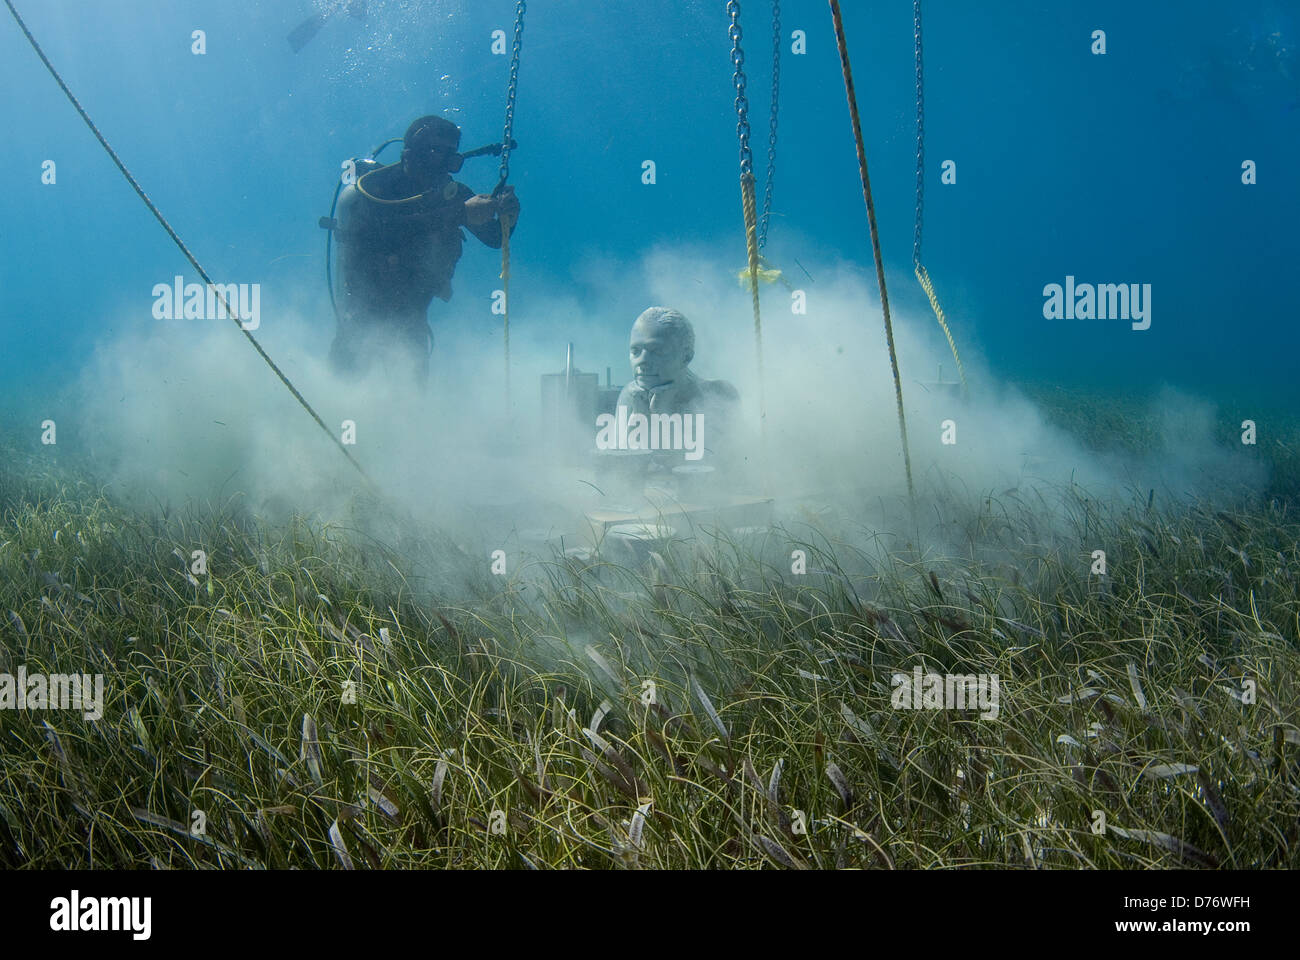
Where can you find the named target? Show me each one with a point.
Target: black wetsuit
(394, 258)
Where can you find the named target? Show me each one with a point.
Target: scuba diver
(399, 238)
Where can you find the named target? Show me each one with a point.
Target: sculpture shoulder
(719, 391)
(632, 397)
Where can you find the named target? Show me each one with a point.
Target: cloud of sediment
(184, 410)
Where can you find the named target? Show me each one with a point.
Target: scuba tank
(357, 167)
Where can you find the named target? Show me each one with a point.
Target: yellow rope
(875, 238)
(751, 243)
(924, 276)
(180, 244)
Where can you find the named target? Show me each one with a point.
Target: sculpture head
(429, 149)
(661, 348)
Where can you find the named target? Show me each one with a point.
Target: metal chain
(920, 133)
(771, 135)
(738, 80)
(510, 94)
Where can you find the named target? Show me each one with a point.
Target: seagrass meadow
(322, 699)
(377, 583)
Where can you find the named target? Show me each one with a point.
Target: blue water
(1117, 168)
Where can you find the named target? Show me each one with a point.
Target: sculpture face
(658, 354)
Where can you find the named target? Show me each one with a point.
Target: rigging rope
(507, 222)
(505, 292)
(771, 124)
(747, 193)
(923, 275)
(875, 237)
(181, 245)
(751, 247)
(766, 272)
